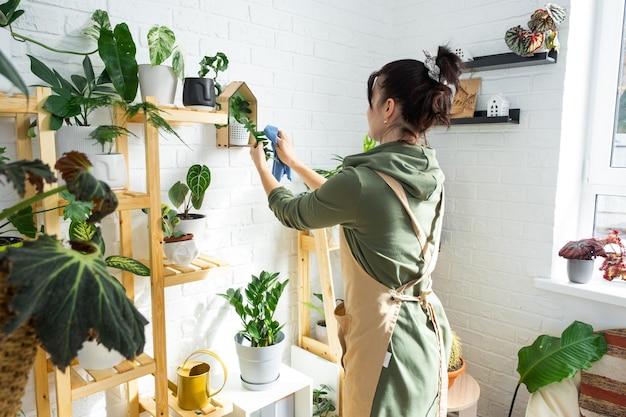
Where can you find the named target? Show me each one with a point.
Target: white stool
(463, 396)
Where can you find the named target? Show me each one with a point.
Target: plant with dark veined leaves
(67, 290)
(542, 31)
(257, 310)
(191, 193)
(550, 359)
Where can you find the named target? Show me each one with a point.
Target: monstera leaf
(550, 359)
(71, 296)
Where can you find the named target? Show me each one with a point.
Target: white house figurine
(497, 106)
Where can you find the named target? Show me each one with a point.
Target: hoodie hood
(414, 166)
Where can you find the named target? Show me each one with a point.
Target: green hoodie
(377, 228)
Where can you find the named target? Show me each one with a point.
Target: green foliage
(257, 310)
(106, 135)
(216, 63)
(68, 291)
(368, 143)
(550, 359)
(169, 221)
(70, 294)
(192, 192)
(240, 111)
(456, 354)
(9, 12)
(322, 405)
(315, 307)
(73, 101)
(161, 45)
(152, 115)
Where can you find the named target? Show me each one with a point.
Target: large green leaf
(10, 72)
(177, 193)
(127, 264)
(71, 296)
(117, 50)
(198, 180)
(161, 41)
(550, 359)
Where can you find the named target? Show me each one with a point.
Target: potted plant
(456, 363)
(201, 91)
(551, 359)
(241, 127)
(580, 255)
(159, 80)
(191, 194)
(541, 33)
(57, 296)
(109, 166)
(178, 246)
(323, 406)
(613, 264)
(260, 343)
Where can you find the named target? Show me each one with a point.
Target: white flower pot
(181, 253)
(76, 138)
(238, 135)
(259, 366)
(110, 168)
(580, 271)
(196, 225)
(159, 81)
(93, 356)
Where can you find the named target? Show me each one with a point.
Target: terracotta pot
(455, 374)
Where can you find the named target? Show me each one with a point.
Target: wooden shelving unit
(78, 383)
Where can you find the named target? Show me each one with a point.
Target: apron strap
(430, 261)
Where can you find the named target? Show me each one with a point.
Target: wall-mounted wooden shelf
(510, 60)
(480, 117)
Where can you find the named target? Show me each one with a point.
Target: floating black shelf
(480, 116)
(510, 60)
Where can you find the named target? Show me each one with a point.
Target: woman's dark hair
(424, 101)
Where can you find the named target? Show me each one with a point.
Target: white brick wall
(307, 63)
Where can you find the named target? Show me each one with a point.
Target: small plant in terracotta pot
(456, 363)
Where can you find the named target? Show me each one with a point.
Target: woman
(394, 332)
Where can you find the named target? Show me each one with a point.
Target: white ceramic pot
(195, 225)
(76, 138)
(259, 366)
(159, 81)
(94, 356)
(321, 331)
(238, 135)
(580, 271)
(181, 253)
(110, 168)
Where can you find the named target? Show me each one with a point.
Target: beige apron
(368, 315)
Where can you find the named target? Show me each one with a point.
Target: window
(603, 205)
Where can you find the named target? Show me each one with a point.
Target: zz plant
(257, 310)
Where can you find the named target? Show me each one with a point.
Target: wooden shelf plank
(186, 115)
(10, 106)
(199, 269)
(217, 408)
(142, 365)
(510, 60)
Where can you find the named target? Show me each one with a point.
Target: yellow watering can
(194, 384)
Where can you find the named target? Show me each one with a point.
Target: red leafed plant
(585, 249)
(613, 265)
(610, 248)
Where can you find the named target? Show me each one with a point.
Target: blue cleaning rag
(279, 169)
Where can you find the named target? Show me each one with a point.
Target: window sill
(598, 289)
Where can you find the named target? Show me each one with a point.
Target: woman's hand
(285, 151)
(257, 153)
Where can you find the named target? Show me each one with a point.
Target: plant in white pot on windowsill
(191, 194)
(260, 344)
(580, 255)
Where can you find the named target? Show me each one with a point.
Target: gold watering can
(194, 384)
